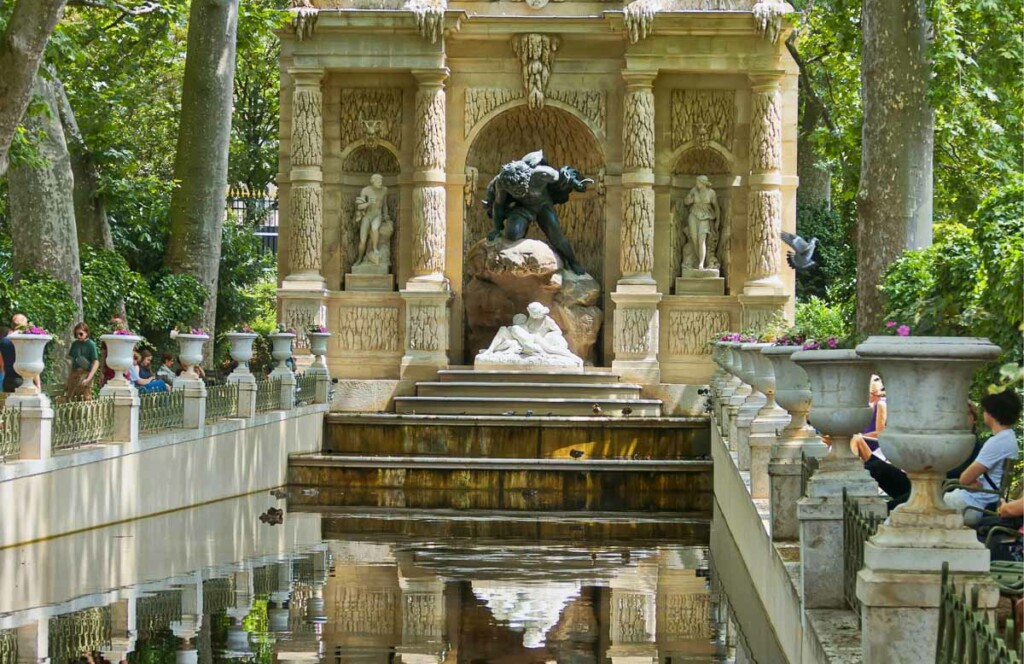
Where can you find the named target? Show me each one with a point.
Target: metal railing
(10, 432)
(77, 423)
(305, 389)
(161, 410)
(8, 646)
(75, 634)
(857, 528)
(218, 594)
(967, 634)
(221, 401)
(268, 394)
(156, 612)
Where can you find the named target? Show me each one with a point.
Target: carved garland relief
(369, 329)
(307, 230)
(765, 132)
(536, 53)
(689, 331)
(763, 233)
(307, 126)
(591, 104)
(702, 116)
(427, 327)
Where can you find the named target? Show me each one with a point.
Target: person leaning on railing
(982, 481)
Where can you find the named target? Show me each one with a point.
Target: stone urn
(241, 349)
(792, 392)
(840, 381)
(763, 377)
(190, 353)
(318, 348)
(927, 381)
(120, 349)
(281, 350)
(29, 350)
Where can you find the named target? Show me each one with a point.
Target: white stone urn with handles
(927, 383)
(318, 348)
(29, 362)
(190, 354)
(281, 350)
(793, 393)
(241, 349)
(120, 349)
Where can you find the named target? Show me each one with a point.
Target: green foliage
(45, 300)
(248, 286)
(835, 254)
(817, 319)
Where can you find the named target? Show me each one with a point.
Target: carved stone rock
(506, 277)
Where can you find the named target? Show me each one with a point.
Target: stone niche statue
(375, 229)
(701, 226)
(532, 341)
(527, 190)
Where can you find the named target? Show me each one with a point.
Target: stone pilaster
(122, 630)
(423, 619)
(302, 292)
(636, 321)
(633, 620)
(126, 410)
(764, 220)
(36, 431)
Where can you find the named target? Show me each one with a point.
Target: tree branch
(811, 93)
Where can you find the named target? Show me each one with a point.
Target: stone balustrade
(35, 427)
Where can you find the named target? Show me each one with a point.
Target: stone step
(520, 406)
(598, 391)
(496, 376)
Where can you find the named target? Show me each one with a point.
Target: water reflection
(214, 585)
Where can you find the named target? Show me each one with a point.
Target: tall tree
(204, 133)
(894, 201)
(21, 49)
(42, 214)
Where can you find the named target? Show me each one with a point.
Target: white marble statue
(375, 225)
(702, 227)
(531, 340)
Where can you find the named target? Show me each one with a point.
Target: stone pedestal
(122, 630)
(195, 402)
(822, 545)
(288, 382)
(323, 385)
(356, 281)
(36, 437)
(636, 333)
(762, 440)
(711, 285)
(126, 410)
(246, 383)
(34, 642)
(426, 330)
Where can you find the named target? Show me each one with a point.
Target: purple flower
(125, 333)
(890, 323)
(35, 330)
(903, 330)
(196, 330)
(811, 345)
(833, 343)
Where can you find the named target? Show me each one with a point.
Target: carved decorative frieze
(307, 126)
(369, 329)
(638, 128)
(428, 214)
(689, 331)
(765, 131)
(427, 327)
(299, 314)
(429, 17)
(304, 16)
(758, 318)
(371, 114)
(369, 160)
(639, 18)
(700, 161)
(429, 152)
(536, 53)
(633, 618)
(763, 233)
(637, 251)
(364, 611)
(306, 240)
(702, 116)
(769, 16)
(591, 104)
(634, 330)
(422, 616)
(687, 615)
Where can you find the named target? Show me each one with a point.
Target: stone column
(195, 403)
(122, 630)
(764, 210)
(427, 293)
(302, 292)
(633, 620)
(636, 296)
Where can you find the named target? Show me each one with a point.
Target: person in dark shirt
(85, 360)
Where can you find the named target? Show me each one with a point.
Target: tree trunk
(21, 49)
(90, 207)
(894, 202)
(201, 165)
(42, 208)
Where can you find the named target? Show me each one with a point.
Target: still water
(217, 583)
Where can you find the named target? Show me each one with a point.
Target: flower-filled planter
(792, 387)
(927, 381)
(241, 348)
(29, 350)
(840, 380)
(190, 352)
(120, 347)
(318, 346)
(281, 349)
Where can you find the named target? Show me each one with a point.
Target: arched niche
(711, 160)
(566, 140)
(358, 162)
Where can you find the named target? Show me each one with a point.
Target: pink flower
(890, 323)
(833, 343)
(35, 330)
(125, 333)
(903, 330)
(811, 345)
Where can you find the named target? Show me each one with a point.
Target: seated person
(166, 372)
(144, 385)
(1000, 412)
(892, 480)
(876, 399)
(1004, 548)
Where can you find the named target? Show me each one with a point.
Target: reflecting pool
(218, 583)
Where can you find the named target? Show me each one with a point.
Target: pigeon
(801, 258)
(627, 411)
(576, 454)
(529, 413)
(596, 409)
(509, 412)
(311, 492)
(279, 494)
